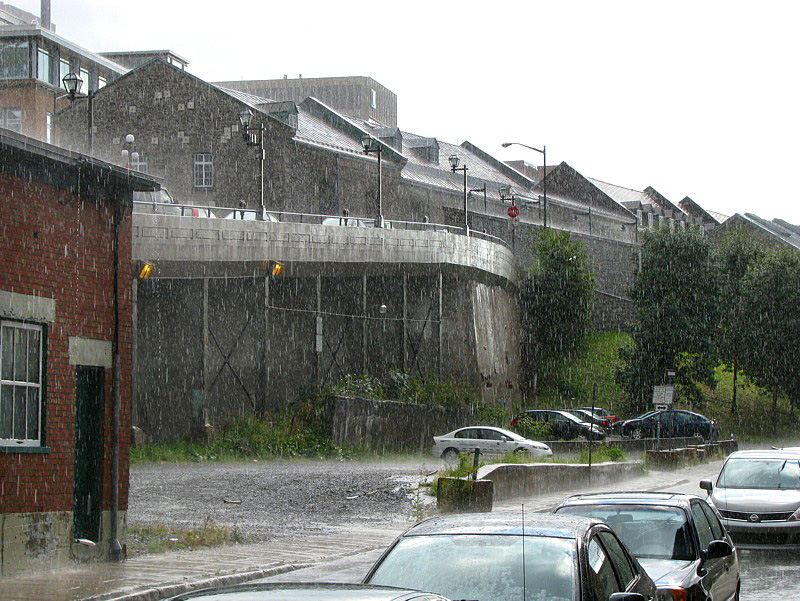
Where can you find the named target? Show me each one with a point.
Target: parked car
(249, 215)
(354, 222)
(562, 425)
(757, 493)
(674, 423)
(483, 555)
(291, 591)
(592, 418)
(677, 538)
(155, 201)
(602, 412)
(490, 440)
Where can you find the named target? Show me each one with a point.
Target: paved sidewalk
(154, 577)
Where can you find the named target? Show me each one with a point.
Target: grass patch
(160, 539)
(602, 453)
(251, 438)
(570, 384)
(753, 420)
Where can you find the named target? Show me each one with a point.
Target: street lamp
(129, 155)
(543, 152)
(254, 136)
(370, 144)
(482, 189)
(454, 161)
(72, 84)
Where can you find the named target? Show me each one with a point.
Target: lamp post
(481, 189)
(254, 136)
(506, 191)
(128, 153)
(72, 84)
(454, 161)
(370, 144)
(543, 152)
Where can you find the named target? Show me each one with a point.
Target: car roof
(670, 499)
(787, 453)
(504, 522)
(300, 591)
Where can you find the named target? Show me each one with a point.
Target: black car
(677, 538)
(592, 418)
(562, 424)
(508, 556)
(673, 422)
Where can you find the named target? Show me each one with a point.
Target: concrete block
(458, 495)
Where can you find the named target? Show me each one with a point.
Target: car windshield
(482, 567)
(647, 531)
(760, 473)
(571, 417)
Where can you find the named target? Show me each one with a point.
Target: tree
(674, 292)
(557, 302)
(733, 256)
(770, 320)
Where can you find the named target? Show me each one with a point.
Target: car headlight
(672, 594)
(795, 516)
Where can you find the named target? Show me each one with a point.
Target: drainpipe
(115, 549)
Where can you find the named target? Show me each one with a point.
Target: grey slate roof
(621, 194)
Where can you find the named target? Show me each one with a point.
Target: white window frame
(374, 99)
(203, 171)
(8, 385)
(139, 163)
(42, 74)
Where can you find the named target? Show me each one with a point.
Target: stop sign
(513, 211)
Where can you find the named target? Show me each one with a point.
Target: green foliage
(532, 429)
(463, 469)
(557, 303)
(403, 386)
(290, 435)
(572, 381)
(677, 314)
(770, 320)
(602, 453)
(491, 415)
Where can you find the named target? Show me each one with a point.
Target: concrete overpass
(216, 337)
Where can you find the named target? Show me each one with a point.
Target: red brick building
(65, 244)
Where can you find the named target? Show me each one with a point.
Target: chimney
(45, 16)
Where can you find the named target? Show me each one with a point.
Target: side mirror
(717, 549)
(706, 485)
(626, 597)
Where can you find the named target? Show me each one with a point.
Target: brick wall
(62, 248)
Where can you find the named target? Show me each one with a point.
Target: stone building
(65, 412)
(360, 97)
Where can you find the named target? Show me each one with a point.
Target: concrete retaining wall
(389, 425)
(626, 445)
(518, 480)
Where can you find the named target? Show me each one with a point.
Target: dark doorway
(87, 508)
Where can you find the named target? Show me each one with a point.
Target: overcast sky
(695, 98)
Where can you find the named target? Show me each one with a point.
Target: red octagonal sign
(513, 211)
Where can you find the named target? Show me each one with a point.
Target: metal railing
(215, 212)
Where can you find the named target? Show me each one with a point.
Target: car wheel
(450, 455)
(637, 434)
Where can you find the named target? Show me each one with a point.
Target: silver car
(490, 440)
(757, 494)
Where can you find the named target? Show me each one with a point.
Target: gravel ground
(272, 499)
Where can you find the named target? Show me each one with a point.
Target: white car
(490, 440)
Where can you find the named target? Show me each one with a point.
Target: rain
(264, 323)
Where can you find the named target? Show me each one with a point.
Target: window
(63, 71)
(84, 75)
(625, 569)
(11, 118)
(101, 82)
(139, 163)
(702, 526)
(374, 100)
(716, 528)
(43, 66)
(49, 133)
(14, 60)
(21, 394)
(203, 170)
(602, 579)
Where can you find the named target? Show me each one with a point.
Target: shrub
(535, 430)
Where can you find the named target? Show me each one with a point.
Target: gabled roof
(566, 182)
(663, 202)
(621, 194)
(694, 209)
(771, 231)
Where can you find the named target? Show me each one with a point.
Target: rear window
(482, 566)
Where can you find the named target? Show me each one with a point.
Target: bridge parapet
(196, 247)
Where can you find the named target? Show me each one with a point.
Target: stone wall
(390, 425)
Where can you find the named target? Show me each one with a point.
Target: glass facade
(63, 70)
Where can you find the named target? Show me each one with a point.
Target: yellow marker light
(144, 270)
(275, 268)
